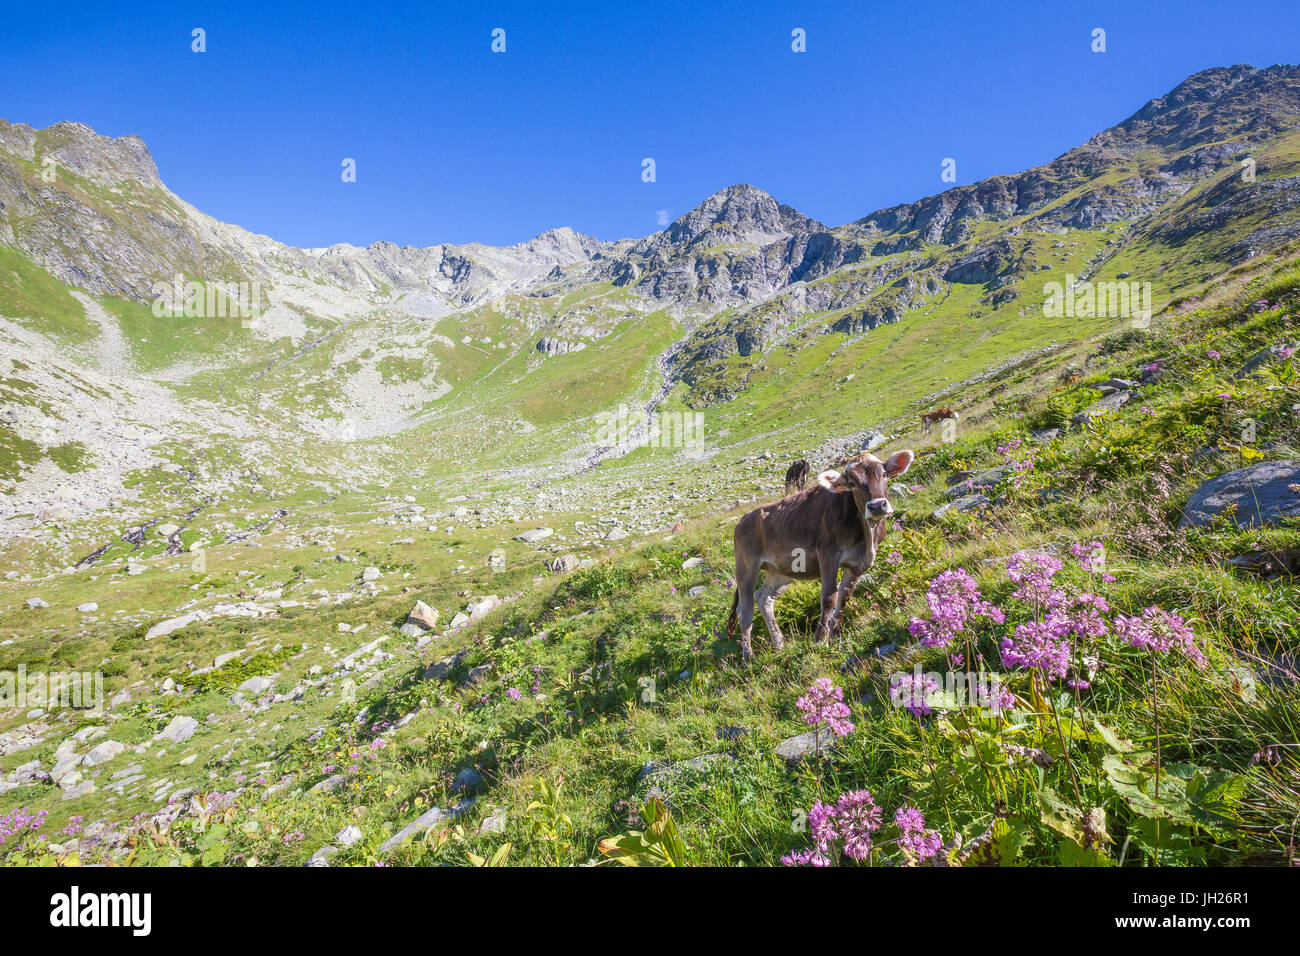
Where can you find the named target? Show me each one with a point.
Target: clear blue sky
(454, 143)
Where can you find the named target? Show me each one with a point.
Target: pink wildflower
(823, 703)
(1159, 631)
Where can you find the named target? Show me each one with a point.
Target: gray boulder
(257, 686)
(163, 628)
(423, 824)
(467, 781)
(968, 503)
(796, 748)
(422, 616)
(440, 670)
(1264, 493)
(981, 482)
(1107, 406)
(563, 564)
(479, 609)
(180, 729)
(103, 753)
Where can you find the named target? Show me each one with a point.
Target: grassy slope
(588, 639)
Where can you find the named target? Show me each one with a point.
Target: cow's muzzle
(878, 509)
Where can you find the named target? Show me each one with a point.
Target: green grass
(40, 301)
(580, 649)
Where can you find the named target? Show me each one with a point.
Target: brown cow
(796, 477)
(938, 415)
(837, 523)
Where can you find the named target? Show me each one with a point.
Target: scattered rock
(256, 686)
(163, 628)
(660, 776)
(1264, 493)
(564, 564)
(424, 823)
(796, 748)
(322, 856)
(330, 784)
(467, 781)
(179, 729)
(440, 670)
(1261, 358)
(1107, 406)
(103, 753)
(479, 609)
(222, 660)
(537, 534)
(1113, 385)
(80, 790)
(422, 616)
(969, 503)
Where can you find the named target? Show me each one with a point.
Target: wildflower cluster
(1159, 631)
(844, 827)
(954, 599)
(823, 703)
(1008, 451)
(848, 828)
(20, 820)
(1033, 571)
(914, 838)
(912, 693)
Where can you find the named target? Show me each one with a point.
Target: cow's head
(867, 479)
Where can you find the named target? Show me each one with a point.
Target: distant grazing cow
(938, 415)
(796, 477)
(837, 523)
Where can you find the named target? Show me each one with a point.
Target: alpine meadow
(424, 556)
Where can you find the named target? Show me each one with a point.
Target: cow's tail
(733, 622)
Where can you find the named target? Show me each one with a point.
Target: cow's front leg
(847, 583)
(830, 599)
(773, 586)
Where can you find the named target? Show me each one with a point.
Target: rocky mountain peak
(105, 160)
(739, 214)
(1215, 104)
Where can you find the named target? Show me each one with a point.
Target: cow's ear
(899, 462)
(832, 481)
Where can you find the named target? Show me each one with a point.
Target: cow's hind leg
(745, 608)
(773, 585)
(830, 600)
